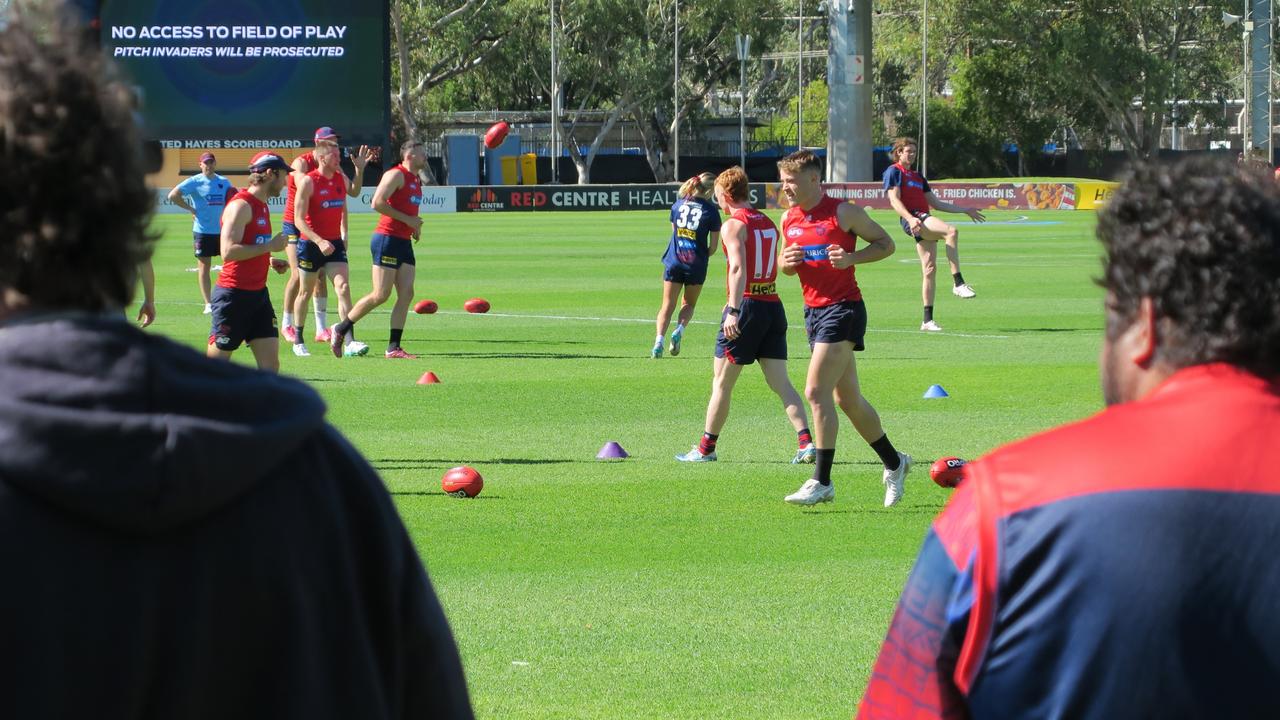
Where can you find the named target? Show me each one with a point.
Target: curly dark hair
(74, 204)
(1201, 238)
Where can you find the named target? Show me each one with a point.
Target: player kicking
(242, 309)
(911, 198)
(820, 245)
(753, 324)
(397, 199)
(321, 217)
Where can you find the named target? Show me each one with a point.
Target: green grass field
(647, 588)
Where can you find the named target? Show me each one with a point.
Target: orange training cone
(428, 378)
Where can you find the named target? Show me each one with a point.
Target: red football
(426, 307)
(947, 471)
(462, 481)
(476, 305)
(496, 134)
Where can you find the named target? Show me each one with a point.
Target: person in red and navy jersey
(303, 164)
(1124, 566)
(820, 246)
(911, 198)
(753, 324)
(321, 218)
(398, 199)
(695, 229)
(241, 305)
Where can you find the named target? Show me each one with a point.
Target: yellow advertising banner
(1093, 195)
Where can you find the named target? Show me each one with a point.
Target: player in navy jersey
(208, 193)
(1125, 566)
(695, 229)
(911, 198)
(753, 324)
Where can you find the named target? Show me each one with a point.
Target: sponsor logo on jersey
(815, 252)
(415, 199)
(261, 239)
(330, 204)
(762, 289)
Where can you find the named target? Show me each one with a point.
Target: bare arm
(147, 311)
(895, 199)
(234, 219)
(712, 240)
(300, 202)
(392, 181)
(855, 220)
(973, 213)
(735, 235)
(359, 160)
(176, 197)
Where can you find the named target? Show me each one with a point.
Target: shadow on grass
(921, 511)
(1050, 330)
(505, 342)
(441, 493)
(422, 463)
(528, 356)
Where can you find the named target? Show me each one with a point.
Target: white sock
(657, 340)
(679, 329)
(288, 319)
(320, 307)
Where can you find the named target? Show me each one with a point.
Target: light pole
(555, 103)
(924, 88)
(800, 77)
(675, 136)
(744, 49)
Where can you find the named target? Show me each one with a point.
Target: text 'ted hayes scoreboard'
(239, 73)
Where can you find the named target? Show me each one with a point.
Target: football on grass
(947, 471)
(476, 305)
(496, 134)
(462, 481)
(426, 307)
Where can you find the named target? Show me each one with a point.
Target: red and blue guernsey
(291, 187)
(912, 187)
(406, 199)
(250, 274)
(815, 230)
(1125, 566)
(328, 203)
(761, 253)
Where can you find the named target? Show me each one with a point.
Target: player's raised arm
(359, 160)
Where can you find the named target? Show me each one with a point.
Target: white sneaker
(805, 455)
(893, 480)
(812, 492)
(930, 326)
(676, 337)
(963, 290)
(208, 309)
(301, 350)
(695, 455)
(355, 348)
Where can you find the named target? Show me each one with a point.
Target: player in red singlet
(241, 305)
(321, 217)
(821, 234)
(753, 323)
(909, 194)
(303, 164)
(397, 198)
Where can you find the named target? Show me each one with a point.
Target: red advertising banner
(984, 196)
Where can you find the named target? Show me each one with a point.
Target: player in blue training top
(911, 198)
(695, 230)
(204, 196)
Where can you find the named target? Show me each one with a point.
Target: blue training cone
(935, 391)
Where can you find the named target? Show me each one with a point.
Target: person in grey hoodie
(179, 537)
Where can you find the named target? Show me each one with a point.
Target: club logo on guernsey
(262, 221)
(815, 252)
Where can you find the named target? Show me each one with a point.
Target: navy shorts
(837, 323)
(290, 231)
(685, 275)
(390, 251)
(763, 326)
(207, 245)
(240, 316)
(907, 228)
(310, 259)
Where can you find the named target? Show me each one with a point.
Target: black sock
(958, 278)
(822, 466)
(804, 437)
(300, 328)
(345, 327)
(396, 334)
(928, 313)
(708, 443)
(888, 454)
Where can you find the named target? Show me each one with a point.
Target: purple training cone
(611, 451)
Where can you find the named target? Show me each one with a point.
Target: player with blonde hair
(695, 230)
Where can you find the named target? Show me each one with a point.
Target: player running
(321, 219)
(753, 323)
(821, 234)
(204, 196)
(910, 196)
(695, 227)
(242, 309)
(397, 199)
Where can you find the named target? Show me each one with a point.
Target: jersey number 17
(766, 247)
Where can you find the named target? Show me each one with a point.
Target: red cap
(326, 133)
(207, 158)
